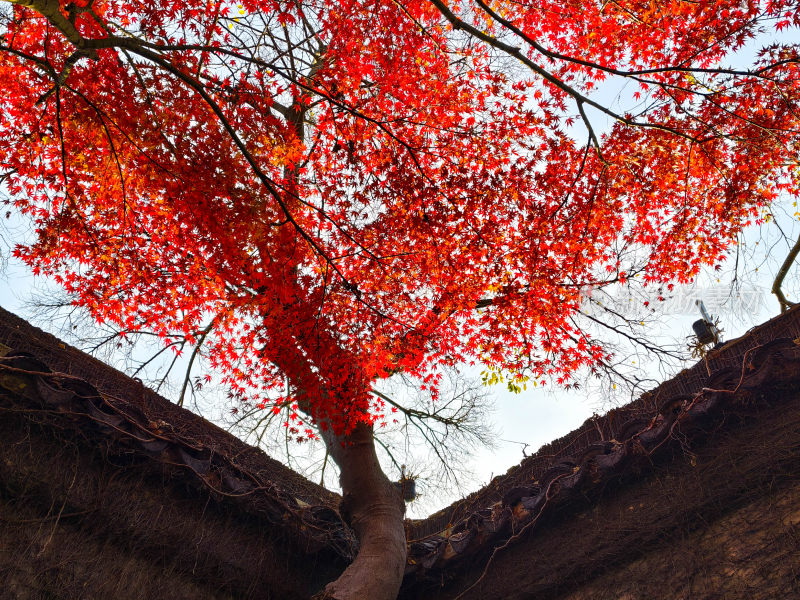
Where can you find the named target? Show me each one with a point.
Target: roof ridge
(603, 445)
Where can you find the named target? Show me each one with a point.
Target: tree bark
(782, 272)
(374, 508)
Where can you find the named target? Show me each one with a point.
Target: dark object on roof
(108, 490)
(704, 331)
(691, 491)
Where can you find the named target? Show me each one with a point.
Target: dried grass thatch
(108, 490)
(716, 438)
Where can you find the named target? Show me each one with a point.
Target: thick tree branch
(516, 52)
(781, 275)
(50, 10)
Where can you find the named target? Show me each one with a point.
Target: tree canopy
(320, 194)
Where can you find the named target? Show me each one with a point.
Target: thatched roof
(715, 436)
(152, 501)
(142, 494)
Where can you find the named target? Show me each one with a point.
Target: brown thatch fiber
(120, 494)
(107, 490)
(718, 368)
(719, 436)
(702, 513)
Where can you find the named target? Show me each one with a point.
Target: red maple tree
(330, 192)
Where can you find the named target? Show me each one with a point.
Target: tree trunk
(371, 504)
(375, 509)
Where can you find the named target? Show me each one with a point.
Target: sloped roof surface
(65, 385)
(123, 406)
(619, 445)
(60, 387)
